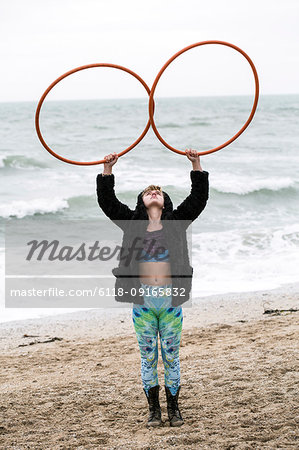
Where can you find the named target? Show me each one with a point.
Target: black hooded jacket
(134, 224)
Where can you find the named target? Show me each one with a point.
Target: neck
(154, 214)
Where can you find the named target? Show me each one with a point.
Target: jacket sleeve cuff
(198, 175)
(105, 180)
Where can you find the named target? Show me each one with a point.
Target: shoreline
(229, 308)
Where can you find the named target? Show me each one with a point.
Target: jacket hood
(140, 212)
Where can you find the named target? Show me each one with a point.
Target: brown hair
(152, 187)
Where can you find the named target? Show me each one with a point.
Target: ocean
(246, 239)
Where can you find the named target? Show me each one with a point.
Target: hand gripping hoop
(151, 92)
(151, 98)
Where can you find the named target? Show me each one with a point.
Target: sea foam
(242, 185)
(22, 208)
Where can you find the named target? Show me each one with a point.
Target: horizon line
(143, 98)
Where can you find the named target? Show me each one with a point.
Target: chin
(155, 204)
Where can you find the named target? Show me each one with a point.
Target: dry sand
(239, 379)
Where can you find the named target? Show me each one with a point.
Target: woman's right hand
(110, 160)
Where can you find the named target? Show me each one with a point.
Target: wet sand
(73, 381)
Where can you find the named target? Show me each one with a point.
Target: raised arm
(196, 201)
(107, 200)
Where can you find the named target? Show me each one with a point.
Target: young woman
(160, 283)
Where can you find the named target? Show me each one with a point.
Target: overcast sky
(40, 40)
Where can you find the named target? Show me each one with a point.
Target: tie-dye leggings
(157, 314)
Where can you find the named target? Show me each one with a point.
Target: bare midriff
(156, 273)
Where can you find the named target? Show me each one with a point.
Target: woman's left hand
(194, 158)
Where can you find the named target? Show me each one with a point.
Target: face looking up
(153, 197)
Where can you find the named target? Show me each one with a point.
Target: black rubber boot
(173, 411)
(154, 418)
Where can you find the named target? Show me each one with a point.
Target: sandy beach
(73, 381)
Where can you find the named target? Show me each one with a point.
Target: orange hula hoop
(151, 97)
(77, 69)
